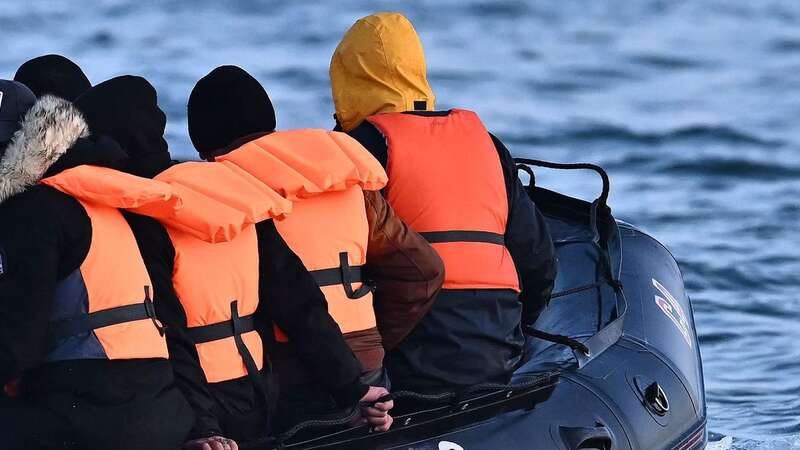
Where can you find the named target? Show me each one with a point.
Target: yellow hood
(378, 67)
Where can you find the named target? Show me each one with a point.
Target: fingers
(212, 443)
(373, 394)
(385, 406)
(220, 443)
(383, 424)
(372, 413)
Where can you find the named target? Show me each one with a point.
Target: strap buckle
(150, 310)
(346, 275)
(347, 280)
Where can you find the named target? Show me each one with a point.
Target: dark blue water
(693, 107)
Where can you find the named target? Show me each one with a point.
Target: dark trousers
(469, 337)
(71, 422)
(25, 426)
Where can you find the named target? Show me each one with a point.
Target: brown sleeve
(407, 271)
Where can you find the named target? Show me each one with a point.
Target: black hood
(54, 75)
(126, 109)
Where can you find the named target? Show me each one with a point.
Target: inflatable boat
(612, 362)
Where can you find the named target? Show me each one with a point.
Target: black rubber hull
(640, 386)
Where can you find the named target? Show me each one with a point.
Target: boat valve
(656, 399)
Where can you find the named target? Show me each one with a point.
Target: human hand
(376, 412)
(211, 443)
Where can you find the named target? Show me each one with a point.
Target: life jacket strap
(345, 275)
(221, 330)
(437, 237)
(62, 329)
(235, 327)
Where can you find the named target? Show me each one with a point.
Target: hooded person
(498, 255)
(82, 357)
(53, 75)
(378, 277)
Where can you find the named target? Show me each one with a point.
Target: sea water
(693, 107)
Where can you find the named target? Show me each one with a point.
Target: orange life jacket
(104, 309)
(218, 283)
(446, 182)
(325, 173)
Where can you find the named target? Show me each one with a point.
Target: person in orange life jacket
(340, 227)
(53, 75)
(226, 384)
(456, 183)
(82, 358)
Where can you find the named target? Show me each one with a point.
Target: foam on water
(692, 106)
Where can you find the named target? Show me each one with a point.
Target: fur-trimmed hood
(49, 129)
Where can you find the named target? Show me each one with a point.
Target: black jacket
(44, 237)
(451, 326)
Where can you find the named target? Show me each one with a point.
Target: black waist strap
(345, 275)
(221, 330)
(65, 328)
(437, 237)
(333, 276)
(235, 327)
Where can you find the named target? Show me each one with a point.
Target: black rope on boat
(575, 290)
(574, 344)
(279, 441)
(522, 384)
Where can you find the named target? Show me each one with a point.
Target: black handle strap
(524, 163)
(587, 349)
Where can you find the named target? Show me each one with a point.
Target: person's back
(84, 360)
(455, 183)
(329, 177)
(220, 379)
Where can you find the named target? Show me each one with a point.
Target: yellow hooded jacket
(379, 67)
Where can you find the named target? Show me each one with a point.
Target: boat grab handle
(576, 438)
(523, 163)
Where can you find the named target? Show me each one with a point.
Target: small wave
(785, 45)
(601, 73)
(666, 62)
(102, 38)
(299, 76)
(713, 338)
(725, 443)
(733, 167)
(604, 133)
(500, 9)
(559, 86)
(529, 54)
